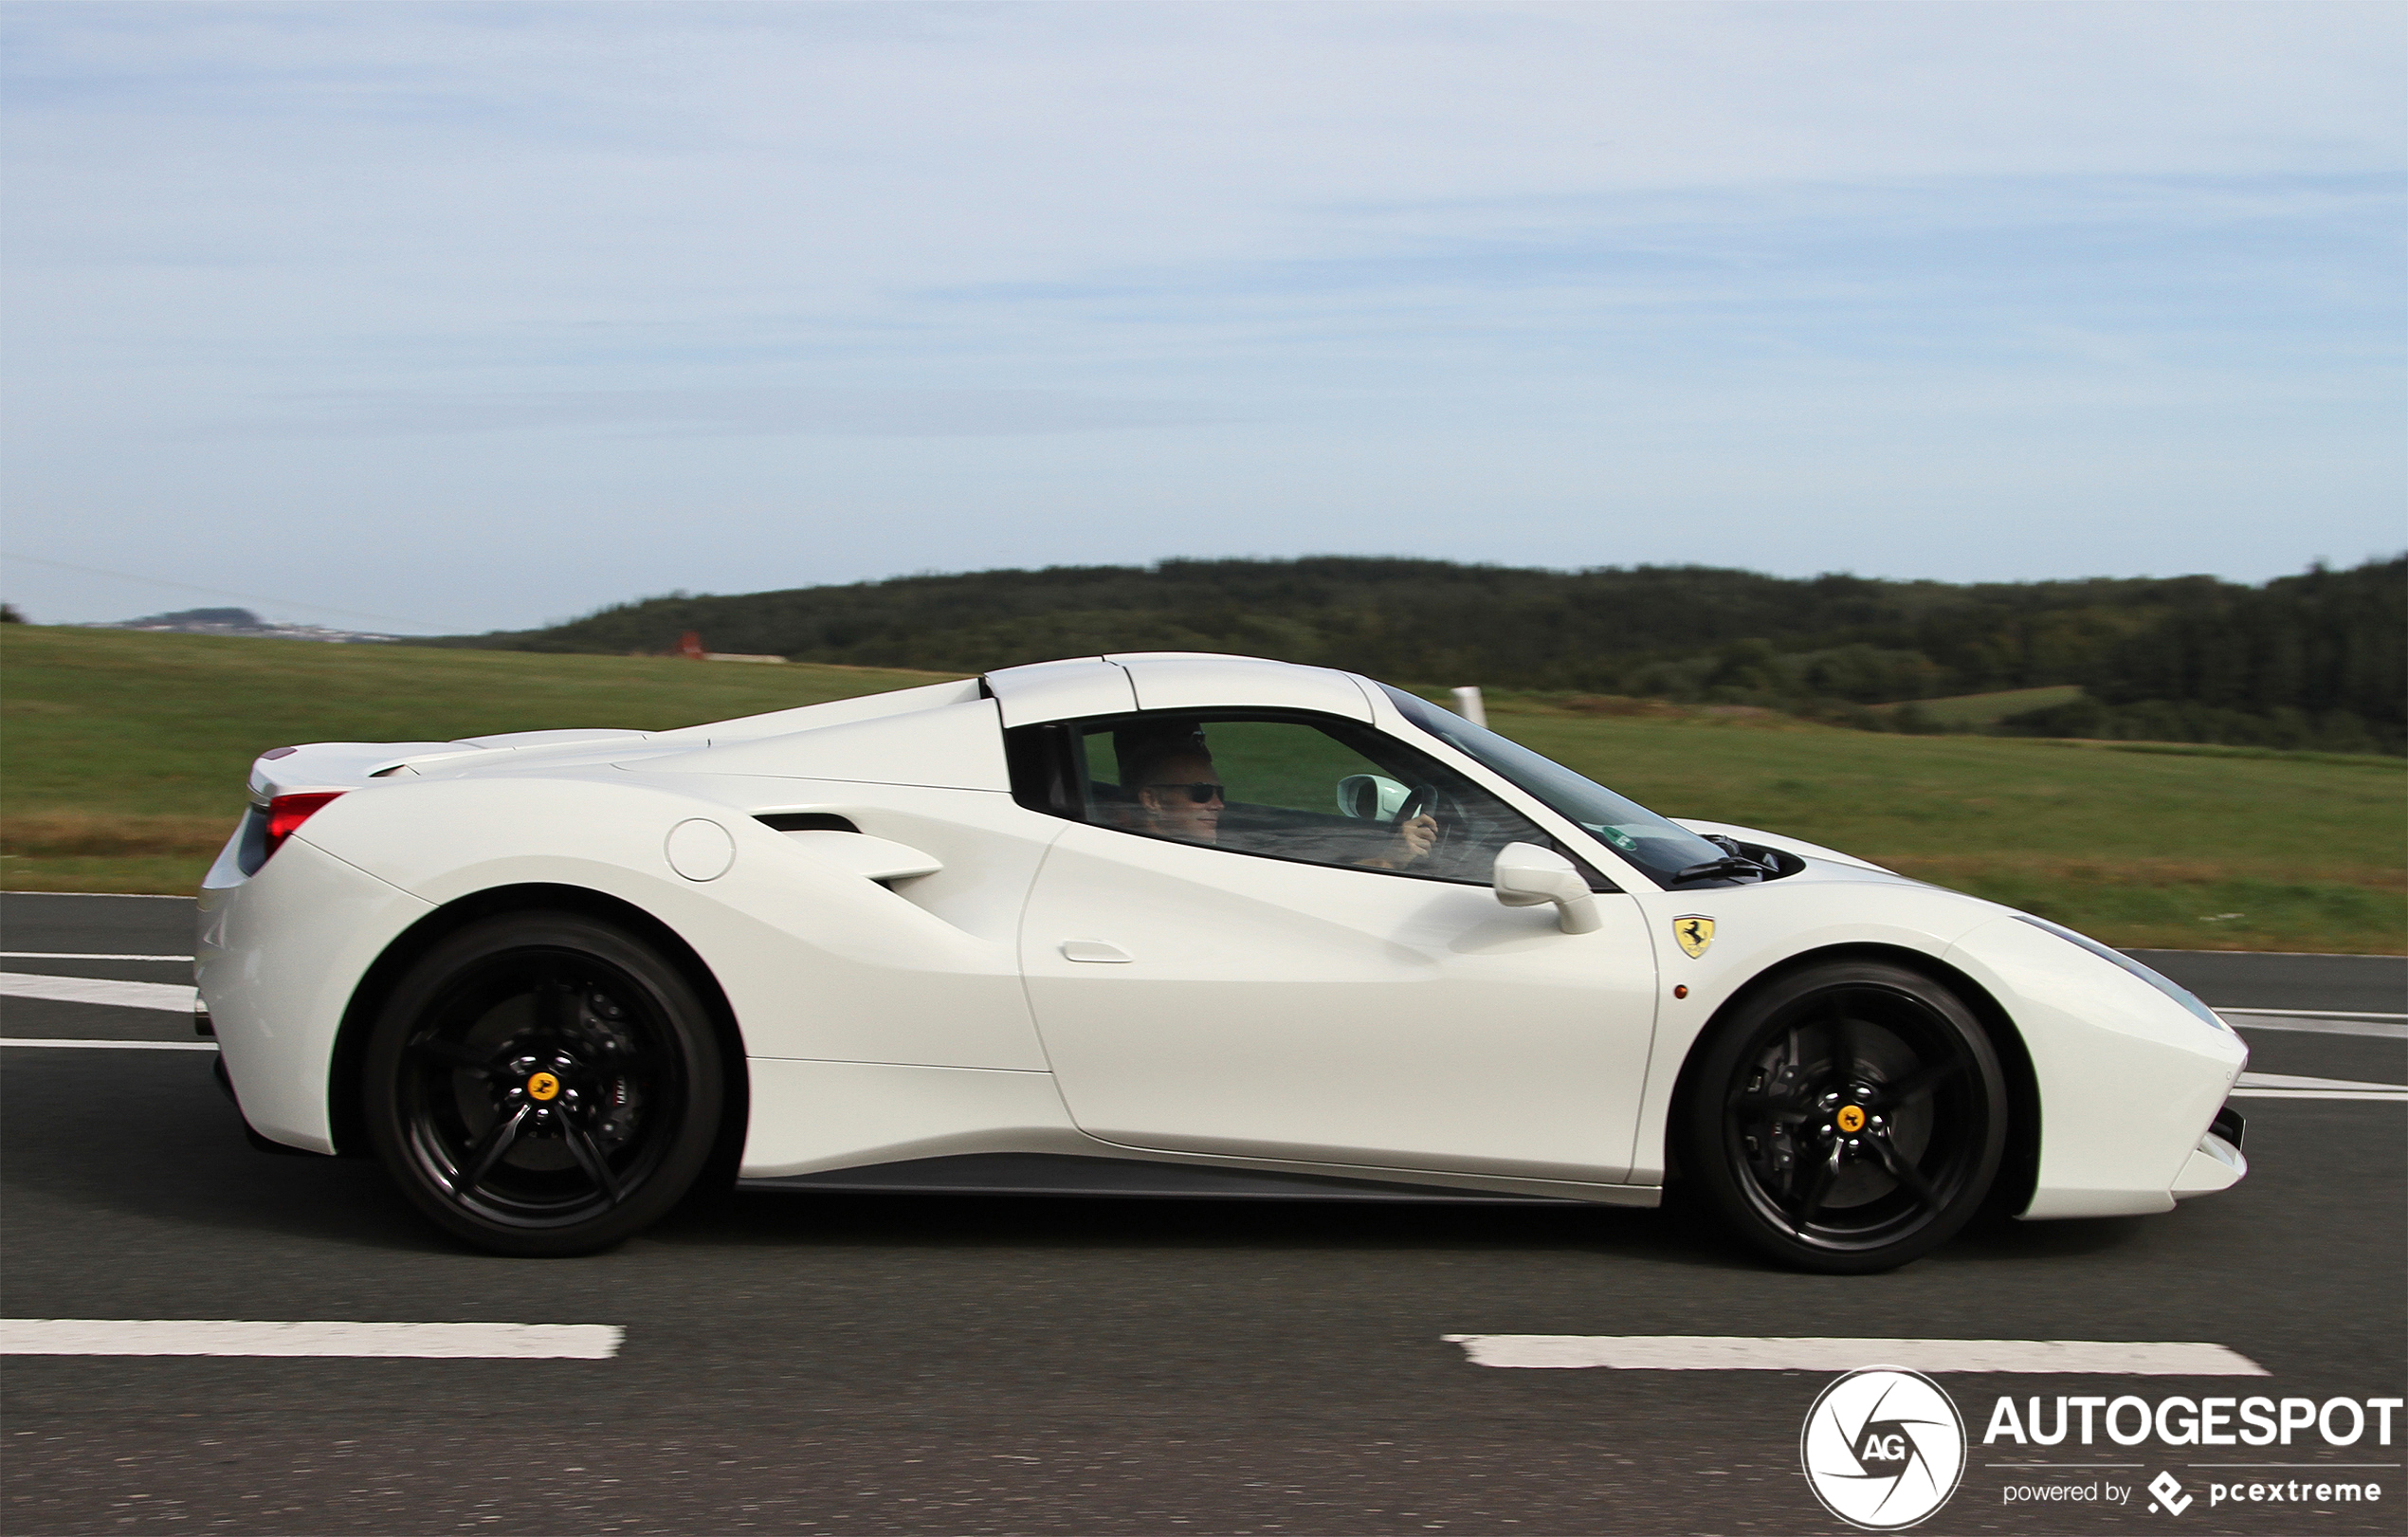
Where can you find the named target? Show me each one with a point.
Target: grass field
(122, 756)
(1989, 709)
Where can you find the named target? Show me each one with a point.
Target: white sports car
(1159, 924)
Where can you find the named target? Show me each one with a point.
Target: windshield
(1647, 840)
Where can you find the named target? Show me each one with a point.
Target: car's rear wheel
(543, 1083)
(1847, 1118)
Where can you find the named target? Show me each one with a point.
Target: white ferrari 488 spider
(1157, 925)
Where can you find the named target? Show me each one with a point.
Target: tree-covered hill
(2308, 660)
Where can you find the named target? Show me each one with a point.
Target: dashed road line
(112, 1046)
(80, 955)
(1714, 1352)
(2311, 1013)
(2294, 1085)
(249, 1337)
(110, 896)
(2384, 1027)
(172, 997)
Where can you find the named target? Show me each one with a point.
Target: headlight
(2182, 996)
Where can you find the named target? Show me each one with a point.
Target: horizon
(1153, 567)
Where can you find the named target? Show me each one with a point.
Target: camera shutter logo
(1883, 1448)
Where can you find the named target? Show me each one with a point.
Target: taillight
(286, 812)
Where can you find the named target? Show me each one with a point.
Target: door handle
(1096, 950)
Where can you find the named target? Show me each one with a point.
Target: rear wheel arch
(347, 1115)
(2019, 1171)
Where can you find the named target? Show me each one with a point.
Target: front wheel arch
(347, 1113)
(2019, 1171)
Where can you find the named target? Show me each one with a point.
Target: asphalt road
(923, 1364)
(2227, 980)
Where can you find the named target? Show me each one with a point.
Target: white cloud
(1229, 278)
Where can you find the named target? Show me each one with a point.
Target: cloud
(763, 411)
(1037, 283)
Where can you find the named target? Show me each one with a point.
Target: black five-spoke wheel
(1847, 1118)
(543, 1083)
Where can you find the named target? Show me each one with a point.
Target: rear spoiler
(321, 767)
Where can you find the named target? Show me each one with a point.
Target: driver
(1178, 794)
(1178, 791)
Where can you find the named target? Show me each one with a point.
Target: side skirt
(1063, 1174)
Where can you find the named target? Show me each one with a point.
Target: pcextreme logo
(1883, 1448)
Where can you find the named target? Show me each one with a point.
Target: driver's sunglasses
(1203, 792)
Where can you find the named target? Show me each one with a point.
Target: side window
(1316, 790)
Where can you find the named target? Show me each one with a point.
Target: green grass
(1989, 709)
(124, 755)
(2141, 849)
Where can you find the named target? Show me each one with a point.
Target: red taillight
(285, 813)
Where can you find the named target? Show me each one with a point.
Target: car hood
(1811, 851)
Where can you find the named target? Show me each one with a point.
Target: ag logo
(1883, 1448)
(1695, 931)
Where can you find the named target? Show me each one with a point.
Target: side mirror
(1527, 876)
(1370, 797)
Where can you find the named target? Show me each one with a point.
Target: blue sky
(472, 316)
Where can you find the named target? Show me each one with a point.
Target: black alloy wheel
(543, 1083)
(1848, 1118)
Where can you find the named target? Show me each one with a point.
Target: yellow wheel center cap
(543, 1085)
(1851, 1119)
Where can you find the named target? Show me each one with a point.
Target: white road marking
(2311, 1013)
(2370, 1098)
(2292, 1086)
(174, 997)
(2376, 1026)
(121, 896)
(1710, 1352)
(245, 1337)
(114, 1046)
(75, 955)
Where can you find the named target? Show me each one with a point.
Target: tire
(1847, 1118)
(543, 1083)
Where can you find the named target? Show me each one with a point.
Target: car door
(1299, 982)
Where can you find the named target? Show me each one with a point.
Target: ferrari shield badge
(1695, 931)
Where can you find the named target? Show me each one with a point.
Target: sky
(439, 318)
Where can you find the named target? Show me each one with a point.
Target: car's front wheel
(543, 1083)
(1847, 1118)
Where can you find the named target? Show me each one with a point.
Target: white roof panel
(1201, 680)
(1061, 691)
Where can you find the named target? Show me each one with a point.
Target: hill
(2314, 660)
(124, 755)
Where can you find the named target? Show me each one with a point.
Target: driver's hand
(1415, 839)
